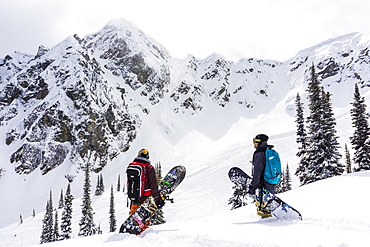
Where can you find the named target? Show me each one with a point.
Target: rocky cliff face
(76, 101)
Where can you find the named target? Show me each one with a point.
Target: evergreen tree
(280, 187)
(47, 234)
(360, 139)
(112, 213)
(321, 155)
(99, 186)
(97, 189)
(20, 219)
(66, 222)
(313, 151)
(287, 179)
(348, 159)
(158, 170)
(87, 226)
(331, 165)
(301, 137)
(101, 181)
(158, 217)
(285, 183)
(61, 200)
(119, 183)
(56, 227)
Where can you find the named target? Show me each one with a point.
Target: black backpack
(137, 181)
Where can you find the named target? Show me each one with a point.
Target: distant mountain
(85, 99)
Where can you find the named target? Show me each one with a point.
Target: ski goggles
(256, 140)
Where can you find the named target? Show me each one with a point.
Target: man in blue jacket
(259, 164)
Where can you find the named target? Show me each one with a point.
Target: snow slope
(330, 218)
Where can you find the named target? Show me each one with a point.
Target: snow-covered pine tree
(119, 183)
(348, 159)
(65, 226)
(280, 187)
(61, 200)
(314, 149)
(112, 213)
(98, 191)
(360, 138)
(158, 217)
(100, 185)
(331, 165)
(101, 181)
(287, 179)
(158, 171)
(56, 227)
(322, 155)
(285, 183)
(87, 226)
(301, 137)
(47, 234)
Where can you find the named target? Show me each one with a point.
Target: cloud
(27, 23)
(267, 29)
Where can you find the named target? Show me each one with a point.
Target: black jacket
(259, 164)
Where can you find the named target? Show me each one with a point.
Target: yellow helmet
(143, 153)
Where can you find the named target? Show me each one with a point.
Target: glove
(160, 202)
(251, 191)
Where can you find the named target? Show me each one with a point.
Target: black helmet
(143, 153)
(260, 138)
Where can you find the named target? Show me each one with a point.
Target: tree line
(316, 135)
(52, 231)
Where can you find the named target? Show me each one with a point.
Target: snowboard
(135, 223)
(265, 198)
(241, 180)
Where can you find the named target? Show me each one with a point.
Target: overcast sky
(267, 29)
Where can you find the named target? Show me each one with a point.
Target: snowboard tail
(269, 202)
(139, 220)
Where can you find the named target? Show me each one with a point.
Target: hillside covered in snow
(102, 97)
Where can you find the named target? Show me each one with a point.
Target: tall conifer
(301, 137)
(119, 183)
(47, 234)
(348, 159)
(66, 222)
(56, 227)
(112, 213)
(321, 157)
(61, 200)
(87, 226)
(360, 138)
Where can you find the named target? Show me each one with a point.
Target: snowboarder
(258, 181)
(150, 184)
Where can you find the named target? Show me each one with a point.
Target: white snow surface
(331, 209)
